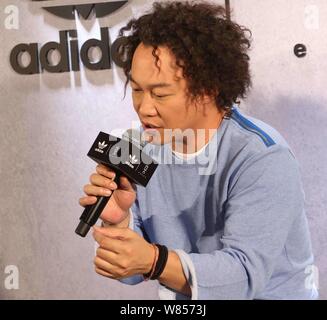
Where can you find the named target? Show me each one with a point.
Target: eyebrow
(154, 85)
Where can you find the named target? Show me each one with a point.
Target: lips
(147, 125)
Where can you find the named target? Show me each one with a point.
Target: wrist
(150, 261)
(173, 275)
(159, 262)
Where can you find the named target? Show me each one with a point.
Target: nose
(146, 107)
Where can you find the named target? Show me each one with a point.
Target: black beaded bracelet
(161, 263)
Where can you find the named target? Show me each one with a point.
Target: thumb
(126, 185)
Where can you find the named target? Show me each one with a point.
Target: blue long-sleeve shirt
(233, 212)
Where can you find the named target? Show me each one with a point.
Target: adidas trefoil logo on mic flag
(102, 145)
(133, 159)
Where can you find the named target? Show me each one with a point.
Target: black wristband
(161, 263)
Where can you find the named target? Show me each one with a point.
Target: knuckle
(102, 243)
(124, 264)
(123, 273)
(118, 272)
(108, 172)
(93, 177)
(99, 252)
(86, 188)
(101, 170)
(108, 183)
(128, 251)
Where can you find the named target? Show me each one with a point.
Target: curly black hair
(209, 47)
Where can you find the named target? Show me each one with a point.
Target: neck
(197, 137)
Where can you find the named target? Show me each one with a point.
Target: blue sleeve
(135, 223)
(264, 198)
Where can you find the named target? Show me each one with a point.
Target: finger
(104, 273)
(91, 190)
(113, 232)
(98, 237)
(86, 201)
(107, 255)
(104, 171)
(109, 244)
(104, 265)
(102, 181)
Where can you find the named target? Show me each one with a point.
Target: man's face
(159, 95)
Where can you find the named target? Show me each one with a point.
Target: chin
(158, 140)
(156, 136)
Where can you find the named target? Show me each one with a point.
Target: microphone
(124, 156)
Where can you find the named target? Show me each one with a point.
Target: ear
(206, 99)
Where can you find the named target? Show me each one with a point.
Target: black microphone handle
(92, 212)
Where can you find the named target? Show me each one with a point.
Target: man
(235, 227)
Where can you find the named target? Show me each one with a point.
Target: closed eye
(161, 95)
(136, 90)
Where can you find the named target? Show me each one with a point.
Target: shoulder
(258, 149)
(249, 137)
(261, 134)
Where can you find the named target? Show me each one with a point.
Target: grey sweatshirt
(234, 213)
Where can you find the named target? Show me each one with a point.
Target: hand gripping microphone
(124, 156)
